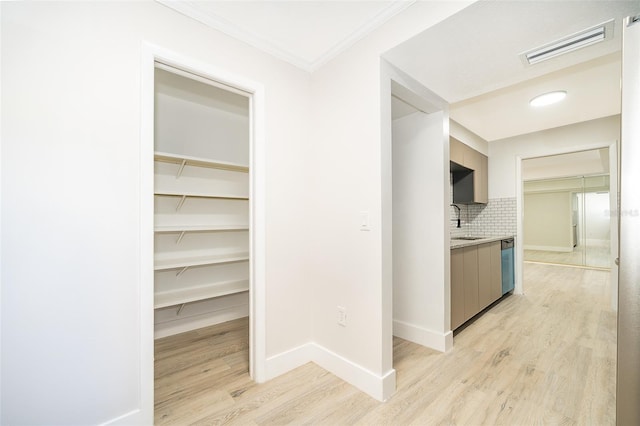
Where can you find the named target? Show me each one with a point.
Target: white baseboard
(431, 339)
(286, 361)
(549, 248)
(378, 387)
(131, 418)
(203, 320)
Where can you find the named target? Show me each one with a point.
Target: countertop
(458, 243)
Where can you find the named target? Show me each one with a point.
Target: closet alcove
(201, 202)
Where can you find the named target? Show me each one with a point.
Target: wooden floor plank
(546, 357)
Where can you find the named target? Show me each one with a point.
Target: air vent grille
(570, 43)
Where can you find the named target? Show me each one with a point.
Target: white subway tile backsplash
(497, 217)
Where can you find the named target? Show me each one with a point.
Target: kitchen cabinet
(484, 276)
(481, 180)
(456, 151)
(496, 270)
(470, 174)
(476, 280)
(457, 288)
(463, 155)
(470, 281)
(489, 274)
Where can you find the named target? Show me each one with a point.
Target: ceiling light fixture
(584, 38)
(548, 98)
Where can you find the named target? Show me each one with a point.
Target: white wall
(576, 137)
(351, 113)
(418, 272)
(547, 221)
(70, 201)
(71, 82)
(199, 120)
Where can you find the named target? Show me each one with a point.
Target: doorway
(591, 171)
(416, 214)
(201, 235)
(207, 207)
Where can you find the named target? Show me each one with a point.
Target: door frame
(395, 82)
(628, 374)
(151, 54)
(613, 203)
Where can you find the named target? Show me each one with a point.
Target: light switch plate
(364, 221)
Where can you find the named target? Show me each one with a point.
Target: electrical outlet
(342, 316)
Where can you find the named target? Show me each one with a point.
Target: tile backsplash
(497, 217)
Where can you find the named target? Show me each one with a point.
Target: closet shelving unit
(201, 229)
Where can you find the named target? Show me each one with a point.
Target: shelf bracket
(181, 202)
(180, 309)
(181, 271)
(180, 237)
(184, 163)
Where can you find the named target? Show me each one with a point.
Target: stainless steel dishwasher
(508, 272)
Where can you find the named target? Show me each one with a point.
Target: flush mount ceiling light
(548, 98)
(584, 38)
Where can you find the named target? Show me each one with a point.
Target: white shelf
(194, 294)
(186, 262)
(201, 205)
(201, 194)
(185, 160)
(196, 228)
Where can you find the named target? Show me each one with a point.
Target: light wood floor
(597, 256)
(544, 358)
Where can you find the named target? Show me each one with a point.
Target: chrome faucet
(453, 205)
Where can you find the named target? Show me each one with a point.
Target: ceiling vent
(570, 43)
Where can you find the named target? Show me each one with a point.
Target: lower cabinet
(476, 280)
(470, 281)
(457, 288)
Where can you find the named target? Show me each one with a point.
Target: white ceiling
(471, 59)
(582, 163)
(593, 91)
(487, 84)
(305, 33)
(477, 50)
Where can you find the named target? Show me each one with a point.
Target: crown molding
(368, 27)
(268, 46)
